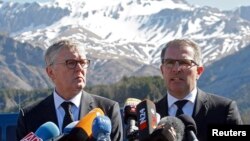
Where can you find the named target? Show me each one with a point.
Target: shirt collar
(59, 100)
(190, 97)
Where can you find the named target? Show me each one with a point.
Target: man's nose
(176, 66)
(79, 66)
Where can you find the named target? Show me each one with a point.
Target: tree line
(151, 87)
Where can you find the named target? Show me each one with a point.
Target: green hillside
(135, 87)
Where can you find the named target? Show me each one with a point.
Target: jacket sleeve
(20, 129)
(233, 116)
(116, 120)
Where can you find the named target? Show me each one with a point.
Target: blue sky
(221, 4)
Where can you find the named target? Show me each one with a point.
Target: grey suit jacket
(32, 117)
(208, 109)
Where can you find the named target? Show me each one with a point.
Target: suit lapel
(200, 107)
(49, 109)
(87, 104)
(162, 107)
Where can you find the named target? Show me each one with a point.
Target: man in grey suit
(66, 65)
(181, 68)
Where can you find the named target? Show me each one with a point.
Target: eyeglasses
(71, 63)
(182, 63)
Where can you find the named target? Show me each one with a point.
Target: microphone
(31, 137)
(101, 128)
(44, 132)
(47, 130)
(65, 132)
(146, 117)
(69, 127)
(168, 129)
(83, 129)
(130, 117)
(158, 118)
(190, 127)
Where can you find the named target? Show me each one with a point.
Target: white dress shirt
(187, 109)
(60, 111)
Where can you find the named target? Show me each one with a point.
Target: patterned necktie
(68, 118)
(180, 105)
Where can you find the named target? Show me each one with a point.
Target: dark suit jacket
(31, 118)
(208, 109)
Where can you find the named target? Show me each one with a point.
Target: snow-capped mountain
(128, 34)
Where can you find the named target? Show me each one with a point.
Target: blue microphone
(66, 131)
(101, 128)
(47, 130)
(69, 127)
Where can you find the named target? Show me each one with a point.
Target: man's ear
(50, 72)
(200, 70)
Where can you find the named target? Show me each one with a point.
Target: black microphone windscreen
(129, 109)
(130, 118)
(171, 129)
(188, 122)
(129, 112)
(163, 134)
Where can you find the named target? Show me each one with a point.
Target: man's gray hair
(53, 50)
(184, 43)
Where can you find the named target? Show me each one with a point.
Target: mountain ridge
(126, 34)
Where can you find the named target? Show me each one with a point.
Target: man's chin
(80, 86)
(177, 85)
(177, 89)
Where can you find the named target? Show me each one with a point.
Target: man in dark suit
(66, 65)
(181, 68)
